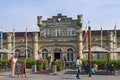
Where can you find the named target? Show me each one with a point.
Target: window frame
(70, 56)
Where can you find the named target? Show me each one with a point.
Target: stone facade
(60, 37)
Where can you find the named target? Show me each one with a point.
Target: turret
(39, 21)
(80, 20)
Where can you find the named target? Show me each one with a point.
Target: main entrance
(57, 54)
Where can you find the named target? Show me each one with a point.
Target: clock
(59, 19)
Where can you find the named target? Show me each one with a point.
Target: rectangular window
(59, 32)
(70, 32)
(47, 32)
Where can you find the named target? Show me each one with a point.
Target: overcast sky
(21, 13)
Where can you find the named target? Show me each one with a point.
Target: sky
(19, 14)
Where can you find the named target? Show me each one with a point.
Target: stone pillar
(79, 33)
(9, 43)
(113, 46)
(80, 46)
(35, 45)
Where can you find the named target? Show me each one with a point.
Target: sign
(20, 68)
(59, 23)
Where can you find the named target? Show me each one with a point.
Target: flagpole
(101, 36)
(86, 41)
(1, 42)
(14, 41)
(114, 39)
(26, 44)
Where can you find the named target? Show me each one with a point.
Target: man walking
(78, 66)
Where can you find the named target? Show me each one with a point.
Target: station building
(61, 37)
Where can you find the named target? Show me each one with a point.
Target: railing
(5, 67)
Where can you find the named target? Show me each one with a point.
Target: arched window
(17, 53)
(44, 54)
(69, 55)
(26, 53)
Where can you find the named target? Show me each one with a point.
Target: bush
(54, 63)
(59, 64)
(45, 64)
(30, 62)
(4, 61)
(39, 64)
(49, 59)
(101, 63)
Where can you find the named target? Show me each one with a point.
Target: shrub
(4, 61)
(101, 63)
(30, 62)
(54, 63)
(49, 59)
(39, 64)
(45, 64)
(59, 64)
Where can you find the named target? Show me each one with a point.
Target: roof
(116, 50)
(97, 49)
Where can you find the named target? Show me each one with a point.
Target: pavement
(67, 74)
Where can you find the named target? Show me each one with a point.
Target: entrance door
(57, 55)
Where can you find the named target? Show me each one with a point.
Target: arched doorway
(57, 53)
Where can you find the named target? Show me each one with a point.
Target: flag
(25, 36)
(0, 34)
(114, 31)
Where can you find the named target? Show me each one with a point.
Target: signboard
(20, 68)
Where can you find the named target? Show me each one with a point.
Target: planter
(54, 68)
(34, 68)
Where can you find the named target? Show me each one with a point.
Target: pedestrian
(94, 67)
(86, 67)
(78, 66)
(13, 61)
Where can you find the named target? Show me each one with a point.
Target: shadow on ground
(101, 72)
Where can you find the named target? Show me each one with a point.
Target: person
(13, 60)
(78, 66)
(86, 66)
(94, 67)
(111, 68)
